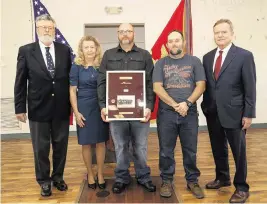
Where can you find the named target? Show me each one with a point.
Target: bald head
(126, 26)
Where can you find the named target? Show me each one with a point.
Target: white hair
(45, 17)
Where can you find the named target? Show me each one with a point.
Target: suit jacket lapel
(228, 59)
(211, 63)
(36, 52)
(57, 58)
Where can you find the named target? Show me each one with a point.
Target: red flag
(71, 117)
(180, 20)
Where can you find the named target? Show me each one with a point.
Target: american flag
(40, 9)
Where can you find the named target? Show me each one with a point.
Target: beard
(46, 39)
(125, 41)
(177, 52)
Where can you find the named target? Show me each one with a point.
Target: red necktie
(218, 64)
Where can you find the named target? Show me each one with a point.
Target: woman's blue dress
(95, 130)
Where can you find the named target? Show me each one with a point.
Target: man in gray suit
(229, 106)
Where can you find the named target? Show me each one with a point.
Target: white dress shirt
(225, 51)
(51, 50)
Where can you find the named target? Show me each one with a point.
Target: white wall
(0, 29)
(249, 18)
(250, 26)
(1, 63)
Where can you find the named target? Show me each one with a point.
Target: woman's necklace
(92, 70)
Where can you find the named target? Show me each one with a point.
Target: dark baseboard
(152, 129)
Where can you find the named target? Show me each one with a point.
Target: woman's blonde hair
(79, 59)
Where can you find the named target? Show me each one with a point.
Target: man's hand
(79, 119)
(104, 114)
(147, 115)
(175, 106)
(246, 122)
(182, 109)
(22, 117)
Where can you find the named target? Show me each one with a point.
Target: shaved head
(126, 26)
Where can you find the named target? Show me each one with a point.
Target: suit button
(53, 82)
(53, 94)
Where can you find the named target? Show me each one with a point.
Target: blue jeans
(122, 133)
(170, 124)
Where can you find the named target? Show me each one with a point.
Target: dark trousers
(237, 140)
(124, 132)
(170, 124)
(42, 133)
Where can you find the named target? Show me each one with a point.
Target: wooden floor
(19, 185)
(128, 196)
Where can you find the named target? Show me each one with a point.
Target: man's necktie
(218, 64)
(50, 63)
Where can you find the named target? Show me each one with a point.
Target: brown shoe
(239, 197)
(166, 190)
(196, 190)
(217, 184)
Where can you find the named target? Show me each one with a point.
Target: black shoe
(118, 187)
(217, 184)
(60, 185)
(149, 186)
(46, 189)
(92, 185)
(100, 185)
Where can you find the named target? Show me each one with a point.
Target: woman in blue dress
(83, 96)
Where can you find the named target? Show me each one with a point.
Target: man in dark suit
(229, 106)
(45, 65)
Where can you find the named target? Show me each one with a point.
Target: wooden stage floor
(19, 185)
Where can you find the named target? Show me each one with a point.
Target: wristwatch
(188, 103)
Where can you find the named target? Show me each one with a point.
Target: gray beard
(46, 39)
(125, 42)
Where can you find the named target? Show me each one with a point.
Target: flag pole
(33, 20)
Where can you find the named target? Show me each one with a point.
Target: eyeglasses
(121, 32)
(50, 28)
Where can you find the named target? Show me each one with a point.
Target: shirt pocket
(137, 64)
(114, 64)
